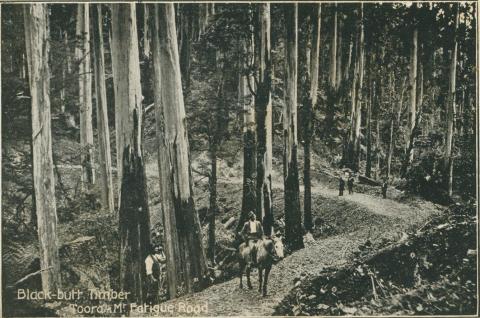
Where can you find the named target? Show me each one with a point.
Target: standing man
(341, 186)
(252, 232)
(384, 188)
(350, 184)
(153, 268)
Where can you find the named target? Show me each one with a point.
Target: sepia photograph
(241, 159)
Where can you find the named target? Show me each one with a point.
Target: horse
(268, 249)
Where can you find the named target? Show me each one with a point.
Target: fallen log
(369, 181)
(229, 223)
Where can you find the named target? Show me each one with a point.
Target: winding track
(226, 299)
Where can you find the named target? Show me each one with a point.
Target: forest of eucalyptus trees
(382, 91)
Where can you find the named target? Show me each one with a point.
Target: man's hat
(250, 214)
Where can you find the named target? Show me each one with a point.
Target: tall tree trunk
(146, 30)
(350, 145)
(168, 201)
(377, 147)
(309, 106)
(293, 216)
(359, 95)
(134, 220)
(37, 47)
(338, 80)
(413, 89)
(85, 93)
(263, 118)
(349, 61)
(183, 232)
(246, 101)
(368, 171)
(391, 85)
(64, 34)
(333, 52)
(105, 161)
(213, 206)
(451, 108)
(203, 17)
(185, 48)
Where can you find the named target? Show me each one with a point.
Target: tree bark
(413, 88)
(246, 101)
(350, 148)
(391, 124)
(368, 171)
(185, 48)
(64, 34)
(353, 146)
(378, 147)
(203, 17)
(309, 106)
(37, 47)
(134, 219)
(293, 216)
(146, 30)
(263, 118)
(333, 52)
(103, 129)
(451, 108)
(338, 81)
(213, 207)
(82, 53)
(183, 233)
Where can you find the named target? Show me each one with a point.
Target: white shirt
(253, 227)
(150, 260)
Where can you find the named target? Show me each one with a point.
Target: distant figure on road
(350, 184)
(341, 186)
(384, 188)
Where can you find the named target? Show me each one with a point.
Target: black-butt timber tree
(37, 46)
(134, 219)
(293, 215)
(186, 260)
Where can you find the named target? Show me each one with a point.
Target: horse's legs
(265, 280)
(249, 284)
(242, 267)
(260, 279)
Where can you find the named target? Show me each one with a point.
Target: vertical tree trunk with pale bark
(83, 54)
(397, 113)
(352, 151)
(413, 89)
(368, 169)
(246, 101)
(185, 47)
(146, 30)
(333, 52)
(105, 161)
(263, 118)
(134, 219)
(308, 108)
(359, 94)
(186, 261)
(451, 108)
(64, 35)
(37, 47)
(293, 215)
